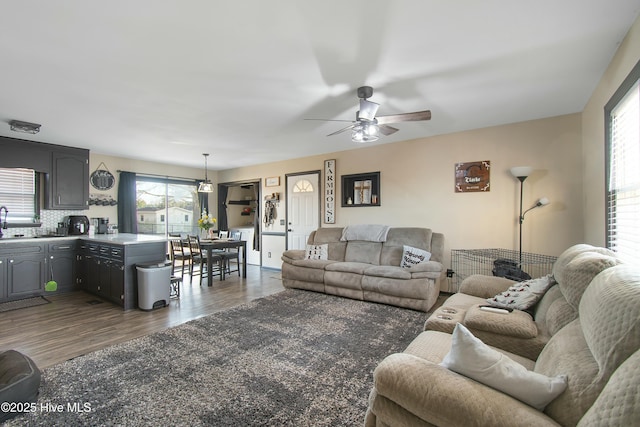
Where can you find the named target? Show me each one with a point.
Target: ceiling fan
(367, 127)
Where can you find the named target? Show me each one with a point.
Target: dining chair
(232, 255)
(179, 253)
(223, 234)
(199, 260)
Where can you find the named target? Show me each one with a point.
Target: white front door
(303, 208)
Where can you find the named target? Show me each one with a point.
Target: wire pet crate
(465, 262)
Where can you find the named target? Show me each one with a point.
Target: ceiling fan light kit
(367, 127)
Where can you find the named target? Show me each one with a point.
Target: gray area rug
(296, 358)
(23, 303)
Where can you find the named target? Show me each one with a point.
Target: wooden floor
(71, 326)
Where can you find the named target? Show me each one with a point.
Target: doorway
(303, 207)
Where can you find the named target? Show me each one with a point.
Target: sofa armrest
(292, 255)
(515, 324)
(481, 286)
(442, 397)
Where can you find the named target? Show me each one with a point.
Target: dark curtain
(223, 223)
(256, 218)
(127, 221)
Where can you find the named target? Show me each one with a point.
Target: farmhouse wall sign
(330, 191)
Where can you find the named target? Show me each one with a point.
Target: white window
(623, 169)
(18, 195)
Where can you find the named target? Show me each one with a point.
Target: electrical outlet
(450, 272)
(282, 222)
(268, 254)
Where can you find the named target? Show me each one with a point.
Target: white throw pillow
(523, 295)
(317, 252)
(412, 256)
(474, 359)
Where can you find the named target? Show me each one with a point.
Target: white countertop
(119, 239)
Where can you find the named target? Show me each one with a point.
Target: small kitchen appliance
(103, 226)
(77, 224)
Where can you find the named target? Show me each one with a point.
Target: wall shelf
(362, 189)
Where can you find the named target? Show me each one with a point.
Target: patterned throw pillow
(412, 256)
(317, 252)
(523, 295)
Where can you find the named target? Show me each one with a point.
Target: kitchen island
(104, 265)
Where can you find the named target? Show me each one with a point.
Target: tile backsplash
(49, 219)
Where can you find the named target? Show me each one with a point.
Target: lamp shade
(521, 171)
(205, 187)
(543, 201)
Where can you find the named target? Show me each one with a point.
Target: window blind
(18, 194)
(623, 192)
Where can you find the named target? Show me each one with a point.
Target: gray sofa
(370, 270)
(598, 351)
(519, 332)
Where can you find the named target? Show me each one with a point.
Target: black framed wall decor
(362, 189)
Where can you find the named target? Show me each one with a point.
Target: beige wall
(417, 184)
(593, 151)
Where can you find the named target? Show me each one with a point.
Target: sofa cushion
(388, 271)
(412, 256)
(472, 358)
(579, 272)
(330, 236)
(590, 348)
(365, 252)
(411, 236)
(348, 267)
(570, 253)
(318, 252)
(522, 295)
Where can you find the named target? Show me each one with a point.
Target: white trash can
(154, 287)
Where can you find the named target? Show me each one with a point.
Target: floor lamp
(522, 172)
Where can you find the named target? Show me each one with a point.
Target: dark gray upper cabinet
(68, 183)
(66, 169)
(19, 153)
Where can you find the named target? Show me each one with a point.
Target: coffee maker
(77, 224)
(101, 225)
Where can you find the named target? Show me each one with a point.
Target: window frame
(629, 82)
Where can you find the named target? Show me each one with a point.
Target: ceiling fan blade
(368, 110)
(342, 130)
(330, 120)
(387, 130)
(406, 117)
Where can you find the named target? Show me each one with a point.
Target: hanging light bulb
(365, 131)
(205, 186)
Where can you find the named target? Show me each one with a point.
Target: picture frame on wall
(272, 181)
(359, 190)
(473, 176)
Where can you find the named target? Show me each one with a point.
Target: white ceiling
(167, 80)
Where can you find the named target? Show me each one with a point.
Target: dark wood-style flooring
(72, 326)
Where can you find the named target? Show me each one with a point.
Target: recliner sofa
(370, 270)
(598, 352)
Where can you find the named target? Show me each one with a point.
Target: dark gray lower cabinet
(61, 264)
(109, 270)
(23, 270)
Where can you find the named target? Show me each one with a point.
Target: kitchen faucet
(3, 225)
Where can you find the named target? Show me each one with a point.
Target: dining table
(216, 244)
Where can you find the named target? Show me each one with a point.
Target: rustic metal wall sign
(330, 191)
(472, 176)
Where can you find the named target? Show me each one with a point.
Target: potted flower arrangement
(206, 222)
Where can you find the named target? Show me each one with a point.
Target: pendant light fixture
(205, 186)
